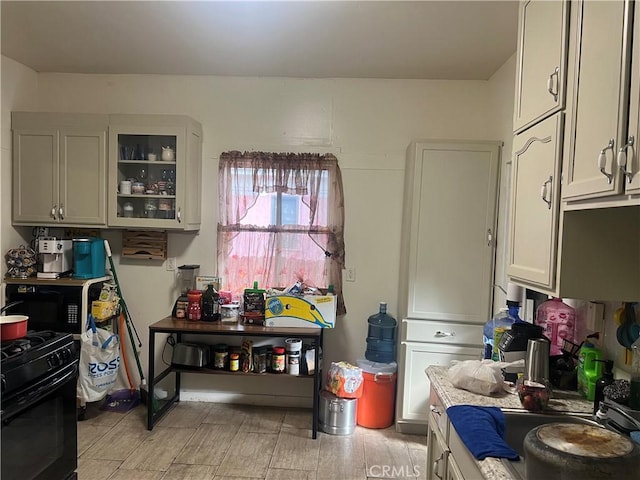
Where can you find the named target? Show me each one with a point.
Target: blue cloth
(482, 431)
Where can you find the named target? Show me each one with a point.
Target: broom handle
(126, 312)
(123, 304)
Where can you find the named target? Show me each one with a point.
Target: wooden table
(179, 327)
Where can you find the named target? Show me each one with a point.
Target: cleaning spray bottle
(589, 369)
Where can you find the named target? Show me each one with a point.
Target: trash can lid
(376, 367)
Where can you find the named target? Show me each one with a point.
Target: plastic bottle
(381, 336)
(558, 321)
(589, 370)
(501, 322)
(603, 381)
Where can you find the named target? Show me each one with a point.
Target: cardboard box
(301, 311)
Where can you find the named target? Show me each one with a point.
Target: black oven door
(39, 430)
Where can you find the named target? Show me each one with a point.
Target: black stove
(25, 360)
(39, 374)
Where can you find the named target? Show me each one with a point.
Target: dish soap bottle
(589, 370)
(603, 381)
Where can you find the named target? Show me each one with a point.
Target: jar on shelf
(260, 359)
(220, 356)
(194, 310)
(127, 210)
(234, 362)
(278, 360)
(150, 207)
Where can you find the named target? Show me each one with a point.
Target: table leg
(316, 387)
(152, 350)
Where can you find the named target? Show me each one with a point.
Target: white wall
(19, 92)
(366, 123)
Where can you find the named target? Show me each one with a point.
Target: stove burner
(15, 348)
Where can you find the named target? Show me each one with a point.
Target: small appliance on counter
(187, 280)
(55, 257)
(89, 257)
(513, 346)
(190, 355)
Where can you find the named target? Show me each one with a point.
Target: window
(281, 221)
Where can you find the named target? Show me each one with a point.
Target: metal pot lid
(584, 440)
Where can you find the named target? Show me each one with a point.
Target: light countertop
(492, 468)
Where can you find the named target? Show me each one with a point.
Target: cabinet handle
(435, 410)
(179, 216)
(61, 212)
(440, 333)
(602, 160)
(489, 237)
(544, 190)
(54, 209)
(553, 83)
(622, 158)
(435, 469)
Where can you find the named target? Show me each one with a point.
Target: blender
(187, 281)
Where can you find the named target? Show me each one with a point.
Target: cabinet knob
(553, 84)
(61, 212)
(53, 212)
(622, 158)
(602, 160)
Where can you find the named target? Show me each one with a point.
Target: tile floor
(208, 441)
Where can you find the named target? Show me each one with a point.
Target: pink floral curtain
(281, 221)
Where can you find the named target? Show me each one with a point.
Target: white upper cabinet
(59, 169)
(598, 100)
(535, 203)
(161, 158)
(541, 61)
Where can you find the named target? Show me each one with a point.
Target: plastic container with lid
(194, 310)
(558, 321)
(376, 405)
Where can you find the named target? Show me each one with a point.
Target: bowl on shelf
(137, 187)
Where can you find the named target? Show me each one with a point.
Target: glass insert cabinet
(155, 165)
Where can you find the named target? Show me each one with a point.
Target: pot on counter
(587, 452)
(12, 326)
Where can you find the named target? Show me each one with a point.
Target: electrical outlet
(171, 264)
(351, 274)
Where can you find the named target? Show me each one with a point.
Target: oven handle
(31, 397)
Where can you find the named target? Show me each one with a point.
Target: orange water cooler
(376, 405)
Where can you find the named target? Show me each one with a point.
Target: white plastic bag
(99, 363)
(479, 376)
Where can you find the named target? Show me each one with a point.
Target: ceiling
(452, 40)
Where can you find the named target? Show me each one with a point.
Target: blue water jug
(381, 337)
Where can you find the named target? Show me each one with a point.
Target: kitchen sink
(519, 423)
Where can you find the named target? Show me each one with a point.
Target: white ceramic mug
(125, 187)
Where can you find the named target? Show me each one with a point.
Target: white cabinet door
(631, 154)
(437, 452)
(83, 176)
(535, 203)
(448, 232)
(415, 358)
(541, 61)
(600, 51)
(35, 176)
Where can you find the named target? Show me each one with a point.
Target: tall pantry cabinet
(448, 251)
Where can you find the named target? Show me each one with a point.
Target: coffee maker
(55, 256)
